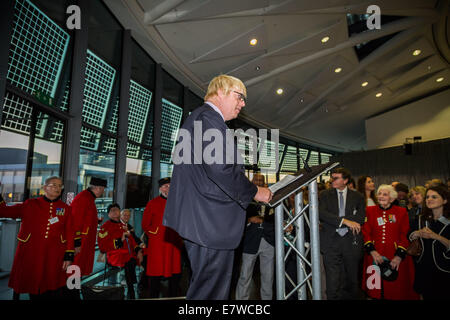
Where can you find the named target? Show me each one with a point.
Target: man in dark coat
(341, 213)
(207, 199)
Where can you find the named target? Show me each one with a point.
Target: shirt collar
(344, 191)
(216, 108)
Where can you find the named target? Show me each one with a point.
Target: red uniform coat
(110, 241)
(85, 222)
(164, 244)
(45, 236)
(386, 231)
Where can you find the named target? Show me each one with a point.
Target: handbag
(415, 248)
(103, 292)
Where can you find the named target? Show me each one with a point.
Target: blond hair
(225, 83)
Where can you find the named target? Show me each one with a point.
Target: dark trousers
(341, 260)
(155, 285)
(211, 272)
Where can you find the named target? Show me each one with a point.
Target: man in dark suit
(341, 212)
(207, 199)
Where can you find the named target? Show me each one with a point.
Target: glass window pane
(13, 161)
(172, 89)
(101, 165)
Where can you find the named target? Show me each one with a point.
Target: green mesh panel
(170, 123)
(139, 109)
(266, 158)
(325, 157)
(99, 79)
(290, 160)
(304, 155)
(37, 50)
(313, 159)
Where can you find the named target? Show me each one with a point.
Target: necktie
(342, 231)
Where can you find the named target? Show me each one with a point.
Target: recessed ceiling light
(379, 94)
(365, 83)
(440, 79)
(253, 42)
(325, 39)
(416, 52)
(337, 70)
(257, 68)
(301, 100)
(279, 91)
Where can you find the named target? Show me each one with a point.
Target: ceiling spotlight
(337, 70)
(416, 52)
(440, 79)
(325, 39)
(379, 94)
(279, 91)
(253, 42)
(301, 100)
(365, 83)
(257, 68)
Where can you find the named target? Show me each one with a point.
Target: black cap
(387, 273)
(163, 181)
(113, 205)
(98, 182)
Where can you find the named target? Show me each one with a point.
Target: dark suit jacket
(207, 202)
(254, 232)
(355, 210)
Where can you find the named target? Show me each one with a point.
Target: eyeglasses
(241, 97)
(54, 185)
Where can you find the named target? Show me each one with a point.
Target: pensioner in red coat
(164, 244)
(45, 240)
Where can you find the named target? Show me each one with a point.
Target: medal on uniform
(53, 220)
(380, 221)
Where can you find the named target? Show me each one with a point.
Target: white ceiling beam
(224, 44)
(160, 10)
(301, 116)
(287, 46)
(369, 35)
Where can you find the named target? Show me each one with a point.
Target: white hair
(392, 193)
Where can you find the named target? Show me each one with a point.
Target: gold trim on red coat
(155, 231)
(102, 235)
(21, 240)
(62, 240)
(87, 231)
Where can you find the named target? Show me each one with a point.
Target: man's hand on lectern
(263, 195)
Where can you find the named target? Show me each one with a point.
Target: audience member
(385, 239)
(45, 248)
(366, 186)
(125, 216)
(85, 222)
(258, 241)
(351, 184)
(341, 212)
(417, 195)
(164, 245)
(432, 279)
(116, 241)
(402, 195)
